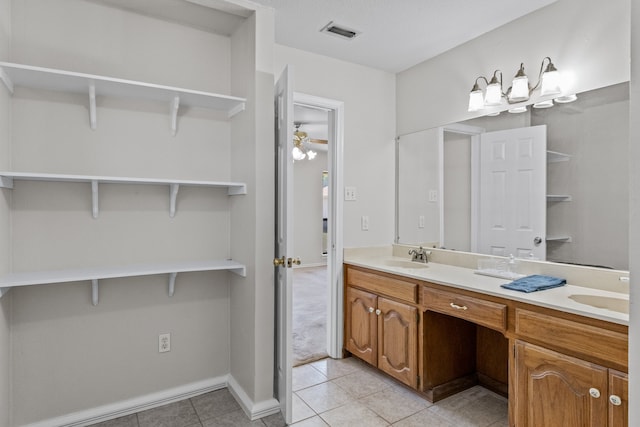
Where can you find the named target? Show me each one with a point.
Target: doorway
(310, 227)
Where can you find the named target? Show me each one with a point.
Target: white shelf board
(86, 274)
(562, 238)
(95, 274)
(558, 198)
(68, 81)
(233, 188)
(555, 157)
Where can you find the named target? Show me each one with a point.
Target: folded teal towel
(535, 283)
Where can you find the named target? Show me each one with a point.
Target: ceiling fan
(299, 151)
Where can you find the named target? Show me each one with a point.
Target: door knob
(277, 262)
(537, 241)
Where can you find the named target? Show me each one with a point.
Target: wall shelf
(94, 85)
(555, 157)
(558, 198)
(96, 274)
(559, 238)
(233, 188)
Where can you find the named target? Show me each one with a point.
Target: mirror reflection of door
(325, 210)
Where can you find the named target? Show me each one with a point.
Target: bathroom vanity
(440, 328)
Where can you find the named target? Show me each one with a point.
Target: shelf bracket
(172, 283)
(6, 80)
(4, 291)
(6, 182)
(94, 198)
(94, 292)
(173, 195)
(93, 120)
(173, 107)
(235, 110)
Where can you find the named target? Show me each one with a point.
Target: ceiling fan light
(476, 100)
(311, 154)
(297, 153)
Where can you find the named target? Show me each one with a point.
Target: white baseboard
(253, 410)
(131, 406)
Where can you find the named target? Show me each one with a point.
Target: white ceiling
(395, 34)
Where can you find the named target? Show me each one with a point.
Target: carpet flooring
(310, 290)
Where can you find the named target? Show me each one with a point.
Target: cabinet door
(398, 341)
(554, 390)
(361, 325)
(618, 399)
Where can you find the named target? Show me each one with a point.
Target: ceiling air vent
(339, 31)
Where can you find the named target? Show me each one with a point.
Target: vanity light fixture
(520, 90)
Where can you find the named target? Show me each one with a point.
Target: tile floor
(334, 393)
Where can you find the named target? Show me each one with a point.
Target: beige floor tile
(127, 421)
(476, 407)
(325, 396)
(306, 376)
(311, 422)
(178, 414)
(232, 419)
(353, 415)
(334, 368)
(361, 383)
(394, 403)
(214, 404)
(300, 410)
(424, 418)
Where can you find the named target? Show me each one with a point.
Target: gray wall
(307, 210)
(68, 355)
(5, 240)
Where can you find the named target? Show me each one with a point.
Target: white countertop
(465, 278)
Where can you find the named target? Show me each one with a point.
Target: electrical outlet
(433, 195)
(421, 220)
(164, 343)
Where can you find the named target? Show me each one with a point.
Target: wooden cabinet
(553, 389)
(380, 330)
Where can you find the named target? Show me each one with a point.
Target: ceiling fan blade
(318, 141)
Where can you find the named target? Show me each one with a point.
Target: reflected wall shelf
(94, 85)
(559, 238)
(558, 198)
(96, 274)
(234, 188)
(555, 157)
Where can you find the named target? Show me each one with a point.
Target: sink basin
(610, 303)
(404, 264)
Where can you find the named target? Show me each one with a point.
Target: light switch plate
(350, 193)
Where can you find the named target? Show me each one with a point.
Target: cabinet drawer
(578, 337)
(395, 288)
(486, 313)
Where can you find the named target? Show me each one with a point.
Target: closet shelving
(96, 274)
(94, 85)
(557, 157)
(15, 75)
(7, 178)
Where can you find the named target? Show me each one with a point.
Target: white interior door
(513, 201)
(284, 240)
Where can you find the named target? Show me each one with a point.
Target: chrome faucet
(419, 255)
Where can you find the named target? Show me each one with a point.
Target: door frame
(474, 132)
(335, 223)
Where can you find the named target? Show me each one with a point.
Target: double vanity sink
(439, 328)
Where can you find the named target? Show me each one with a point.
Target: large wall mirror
(442, 175)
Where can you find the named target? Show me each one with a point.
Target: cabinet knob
(615, 400)
(370, 309)
(378, 312)
(594, 392)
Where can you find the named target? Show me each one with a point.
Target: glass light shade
(550, 83)
(493, 96)
(297, 153)
(518, 110)
(543, 104)
(311, 154)
(476, 101)
(519, 89)
(565, 99)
